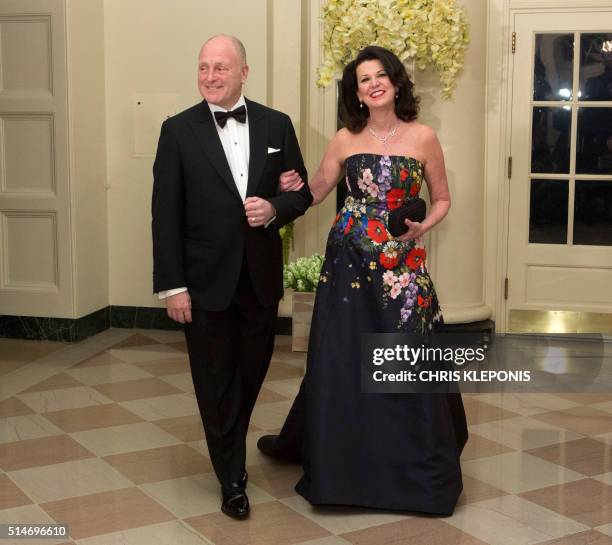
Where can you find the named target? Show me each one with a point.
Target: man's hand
(179, 307)
(258, 211)
(290, 181)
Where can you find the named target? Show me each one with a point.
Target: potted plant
(302, 276)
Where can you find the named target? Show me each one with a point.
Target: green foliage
(303, 274)
(286, 234)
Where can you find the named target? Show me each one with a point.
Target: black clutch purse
(413, 210)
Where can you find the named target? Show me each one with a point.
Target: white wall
(456, 246)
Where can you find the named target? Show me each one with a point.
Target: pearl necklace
(383, 139)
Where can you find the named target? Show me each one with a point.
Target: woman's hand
(290, 180)
(415, 230)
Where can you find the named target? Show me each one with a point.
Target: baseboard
(55, 329)
(74, 330)
(141, 318)
(284, 325)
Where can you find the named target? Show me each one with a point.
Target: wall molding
(555, 5)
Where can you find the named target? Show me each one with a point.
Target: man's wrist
(168, 293)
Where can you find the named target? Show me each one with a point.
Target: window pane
(596, 67)
(553, 67)
(593, 213)
(594, 145)
(550, 140)
(548, 211)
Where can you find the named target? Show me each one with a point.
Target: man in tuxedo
(216, 248)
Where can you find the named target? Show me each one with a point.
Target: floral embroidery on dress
(378, 184)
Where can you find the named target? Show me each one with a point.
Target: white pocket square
(272, 150)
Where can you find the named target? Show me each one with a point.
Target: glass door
(560, 231)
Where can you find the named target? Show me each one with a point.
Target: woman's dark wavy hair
(406, 104)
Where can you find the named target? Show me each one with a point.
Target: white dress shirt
(235, 141)
(236, 145)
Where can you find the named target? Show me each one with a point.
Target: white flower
(391, 248)
(395, 291)
(367, 176)
(373, 190)
(304, 273)
(431, 32)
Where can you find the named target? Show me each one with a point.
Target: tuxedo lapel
(258, 139)
(206, 131)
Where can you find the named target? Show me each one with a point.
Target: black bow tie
(239, 114)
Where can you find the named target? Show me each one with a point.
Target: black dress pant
(229, 355)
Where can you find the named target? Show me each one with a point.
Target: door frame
(498, 128)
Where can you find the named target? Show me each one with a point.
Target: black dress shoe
(236, 504)
(267, 445)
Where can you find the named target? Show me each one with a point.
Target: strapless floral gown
(388, 451)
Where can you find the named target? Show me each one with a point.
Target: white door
(35, 241)
(560, 211)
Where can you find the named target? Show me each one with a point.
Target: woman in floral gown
(385, 451)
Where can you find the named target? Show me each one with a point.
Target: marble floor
(104, 435)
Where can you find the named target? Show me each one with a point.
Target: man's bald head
(222, 70)
(236, 43)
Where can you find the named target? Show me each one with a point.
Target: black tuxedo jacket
(200, 230)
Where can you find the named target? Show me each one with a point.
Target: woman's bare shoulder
(421, 131)
(344, 143)
(345, 137)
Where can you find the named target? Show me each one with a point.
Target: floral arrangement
(428, 32)
(303, 274)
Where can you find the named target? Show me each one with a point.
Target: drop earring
(361, 104)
